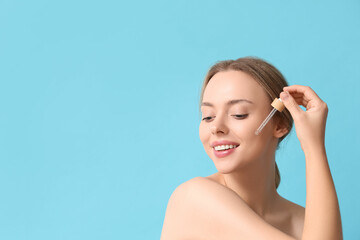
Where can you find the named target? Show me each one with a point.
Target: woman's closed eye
(206, 118)
(237, 116)
(241, 116)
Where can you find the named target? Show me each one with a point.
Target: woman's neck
(255, 184)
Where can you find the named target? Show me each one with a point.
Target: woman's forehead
(229, 85)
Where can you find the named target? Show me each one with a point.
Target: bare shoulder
(193, 211)
(201, 208)
(181, 212)
(196, 188)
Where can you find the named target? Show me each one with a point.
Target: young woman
(241, 201)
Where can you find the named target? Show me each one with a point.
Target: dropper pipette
(278, 105)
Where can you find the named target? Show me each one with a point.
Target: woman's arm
(322, 214)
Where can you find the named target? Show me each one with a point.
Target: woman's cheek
(202, 133)
(247, 129)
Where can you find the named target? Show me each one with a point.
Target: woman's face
(236, 122)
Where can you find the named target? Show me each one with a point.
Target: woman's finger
(308, 93)
(290, 104)
(300, 98)
(299, 95)
(301, 101)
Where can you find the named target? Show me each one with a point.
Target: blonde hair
(267, 76)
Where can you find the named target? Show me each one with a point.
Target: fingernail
(285, 95)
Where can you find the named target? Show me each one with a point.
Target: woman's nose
(213, 129)
(218, 127)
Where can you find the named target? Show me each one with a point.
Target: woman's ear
(280, 129)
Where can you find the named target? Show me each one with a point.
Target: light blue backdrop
(98, 105)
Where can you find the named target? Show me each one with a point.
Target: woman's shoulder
(197, 187)
(199, 183)
(200, 206)
(205, 186)
(203, 208)
(296, 211)
(214, 181)
(291, 213)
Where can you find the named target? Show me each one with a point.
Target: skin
(240, 200)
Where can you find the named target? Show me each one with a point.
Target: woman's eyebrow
(231, 102)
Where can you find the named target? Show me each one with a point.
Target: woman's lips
(224, 153)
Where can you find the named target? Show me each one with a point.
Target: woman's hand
(309, 124)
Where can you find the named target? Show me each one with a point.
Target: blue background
(99, 105)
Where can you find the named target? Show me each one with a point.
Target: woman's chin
(226, 167)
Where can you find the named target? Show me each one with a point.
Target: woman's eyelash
(241, 115)
(206, 118)
(237, 115)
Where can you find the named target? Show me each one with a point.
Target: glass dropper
(278, 105)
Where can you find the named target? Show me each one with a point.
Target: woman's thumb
(290, 103)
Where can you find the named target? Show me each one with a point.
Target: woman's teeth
(225, 147)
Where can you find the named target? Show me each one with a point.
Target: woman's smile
(221, 151)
